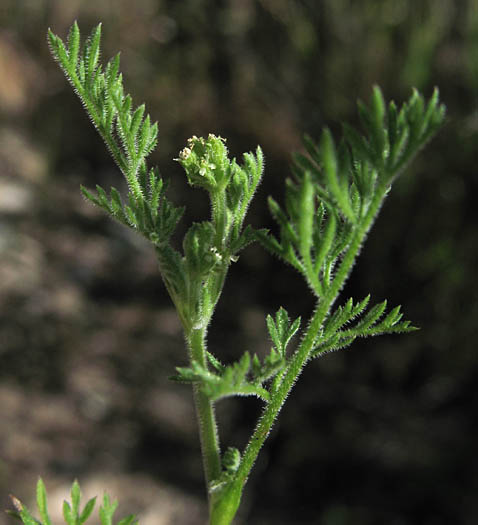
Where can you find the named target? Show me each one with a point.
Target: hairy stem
(205, 411)
(302, 354)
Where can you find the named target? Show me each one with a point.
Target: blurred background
(383, 433)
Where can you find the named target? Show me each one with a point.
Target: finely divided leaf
(232, 381)
(335, 336)
(371, 316)
(272, 365)
(342, 316)
(281, 330)
(128, 133)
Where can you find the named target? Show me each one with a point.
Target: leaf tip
(16, 503)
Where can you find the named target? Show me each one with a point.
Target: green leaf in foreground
(72, 514)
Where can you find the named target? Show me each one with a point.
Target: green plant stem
(303, 352)
(205, 411)
(219, 215)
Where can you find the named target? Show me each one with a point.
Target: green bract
(331, 201)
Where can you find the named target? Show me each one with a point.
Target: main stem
(205, 411)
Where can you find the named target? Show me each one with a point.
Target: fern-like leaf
(127, 131)
(330, 195)
(231, 381)
(335, 335)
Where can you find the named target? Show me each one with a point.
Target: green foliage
(329, 198)
(334, 336)
(128, 133)
(228, 381)
(194, 280)
(72, 512)
(130, 136)
(281, 330)
(331, 201)
(247, 376)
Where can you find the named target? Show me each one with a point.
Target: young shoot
(332, 198)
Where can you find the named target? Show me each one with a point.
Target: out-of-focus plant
(72, 512)
(331, 201)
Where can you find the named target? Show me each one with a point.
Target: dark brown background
(383, 433)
